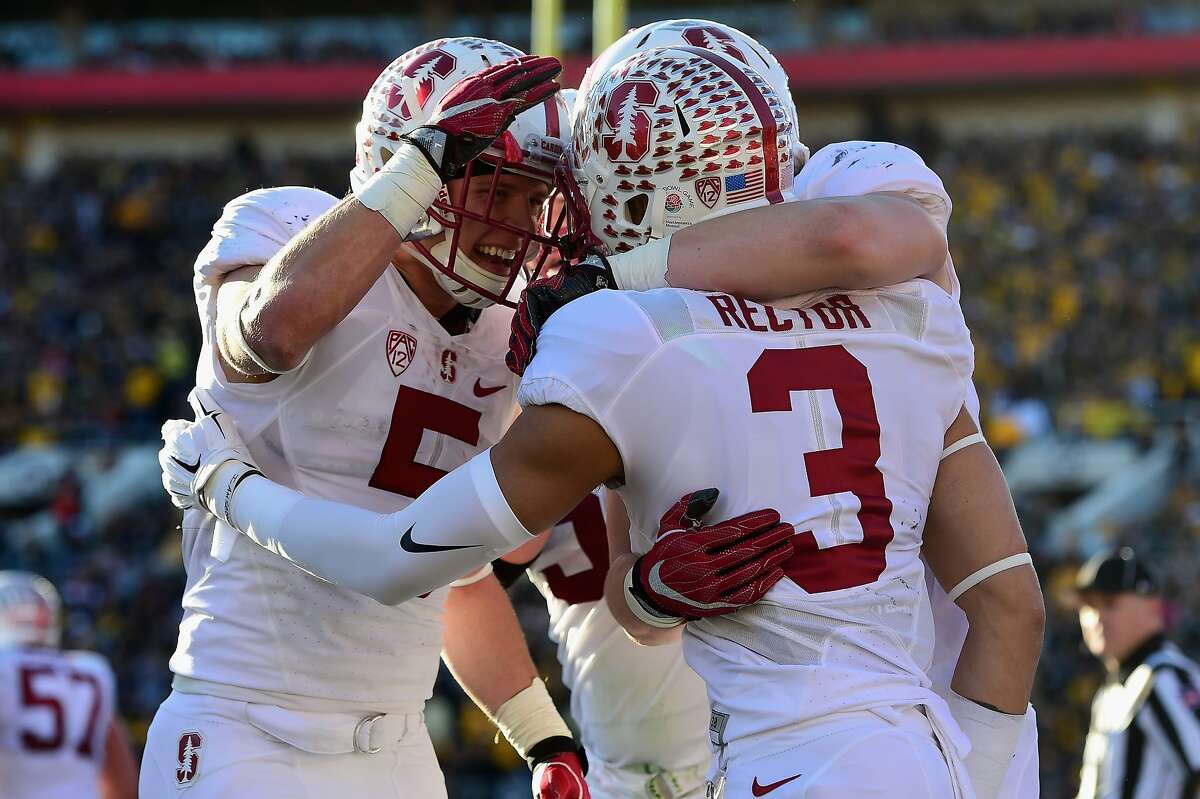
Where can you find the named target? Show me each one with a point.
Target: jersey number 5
(398, 470)
(852, 468)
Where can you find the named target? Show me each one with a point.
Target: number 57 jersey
(833, 413)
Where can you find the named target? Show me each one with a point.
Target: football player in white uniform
(839, 170)
(363, 361)
(59, 735)
(850, 634)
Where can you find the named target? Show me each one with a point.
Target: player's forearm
(310, 285)
(614, 595)
(483, 645)
(459, 524)
(994, 675)
(792, 248)
(1000, 655)
(118, 778)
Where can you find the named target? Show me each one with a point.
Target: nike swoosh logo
(191, 467)
(763, 790)
(662, 589)
(409, 545)
(480, 391)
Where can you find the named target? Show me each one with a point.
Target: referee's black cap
(1117, 571)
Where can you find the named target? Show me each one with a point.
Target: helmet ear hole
(635, 208)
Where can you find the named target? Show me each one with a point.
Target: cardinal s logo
(423, 71)
(629, 124)
(189, 757)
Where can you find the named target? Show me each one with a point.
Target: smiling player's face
(519, 202)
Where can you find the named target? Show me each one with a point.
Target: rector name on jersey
(836, 312)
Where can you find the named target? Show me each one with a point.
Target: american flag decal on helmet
(743, 186)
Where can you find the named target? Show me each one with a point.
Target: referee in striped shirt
(1144, 740)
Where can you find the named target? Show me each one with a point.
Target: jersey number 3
(852, 468)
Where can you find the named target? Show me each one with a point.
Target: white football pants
(859, 755)
(204, 747)
(646, 782)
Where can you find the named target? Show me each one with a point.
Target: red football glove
(479, 108)
(543, 297)
(692, 571)
(560, 777)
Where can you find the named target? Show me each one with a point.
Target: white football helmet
(666, 138)
(723, 39)
(30, 611)
(401, 100)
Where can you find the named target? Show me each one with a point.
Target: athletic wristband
(642, 610)
(1004, 564)
(550, 748)
(529, 718)
(508, 573)
(219, 489)
(403, 189)
(483, 573)
(642, 268)
(239, 338)
(963, 443)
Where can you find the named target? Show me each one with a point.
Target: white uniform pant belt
(332, 733)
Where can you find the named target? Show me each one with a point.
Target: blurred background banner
(1067, 133)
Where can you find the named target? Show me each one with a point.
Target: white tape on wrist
(530, 717)
(1004, 564)
(963, 443)
(403, 189)
(639, 610)
(642, 268)
(219, 490)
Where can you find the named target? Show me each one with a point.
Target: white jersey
(634, 704)
(834, 414)
(55, 711)
(860, 167)
(386, 403)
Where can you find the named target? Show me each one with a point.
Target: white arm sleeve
(459, 524)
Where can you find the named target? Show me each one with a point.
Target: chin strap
(463, 265)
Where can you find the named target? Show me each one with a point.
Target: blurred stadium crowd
(73, 40)
(1079, 285)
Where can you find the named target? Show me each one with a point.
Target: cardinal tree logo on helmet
(424, 68)
(715, 39)
(630, 125)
